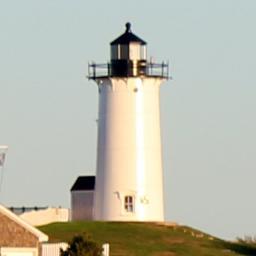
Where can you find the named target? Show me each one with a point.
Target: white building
(129, 182)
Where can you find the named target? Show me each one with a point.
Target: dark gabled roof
(128, 37)
(84, 183)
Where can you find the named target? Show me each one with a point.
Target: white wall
(129, 160)
(46, 216)
(22, 251)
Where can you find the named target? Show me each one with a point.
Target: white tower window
(129, 203)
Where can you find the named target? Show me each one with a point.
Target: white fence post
(105, 249)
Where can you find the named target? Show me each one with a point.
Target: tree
(82, 245)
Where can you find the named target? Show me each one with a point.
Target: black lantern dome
(128, 37)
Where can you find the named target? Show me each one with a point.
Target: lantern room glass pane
(134, 51)
(114, 52)
(124, 52)
(143, 52)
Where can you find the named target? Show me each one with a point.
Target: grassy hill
(148, 239)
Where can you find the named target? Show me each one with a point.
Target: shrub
(82, 245)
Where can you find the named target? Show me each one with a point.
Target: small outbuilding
(17, 237)
(82, 197)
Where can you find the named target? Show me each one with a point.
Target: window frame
(129, 203)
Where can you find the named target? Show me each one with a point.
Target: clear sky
(48, 108)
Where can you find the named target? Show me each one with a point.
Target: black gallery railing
(129, 69)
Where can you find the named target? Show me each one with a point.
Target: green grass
(148, 239)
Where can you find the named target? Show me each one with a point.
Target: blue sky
(48, 108)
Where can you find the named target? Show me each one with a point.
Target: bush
(82, 245)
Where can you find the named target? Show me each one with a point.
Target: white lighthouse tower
(129, 178)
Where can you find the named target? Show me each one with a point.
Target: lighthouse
(129, 176)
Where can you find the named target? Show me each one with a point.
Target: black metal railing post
(93, 70)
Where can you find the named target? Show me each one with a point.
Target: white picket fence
(53, 249)
(105, 250)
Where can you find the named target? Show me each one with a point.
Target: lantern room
(128, 58)
(128, 55)
(128, 47)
